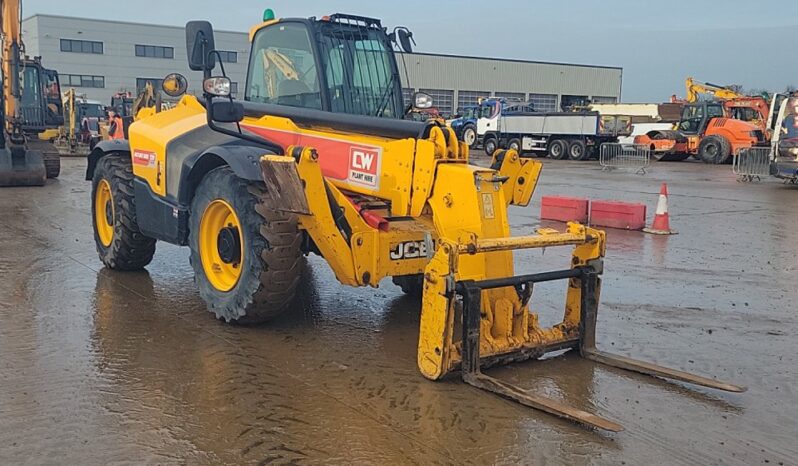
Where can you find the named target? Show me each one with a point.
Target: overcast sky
(658, 44)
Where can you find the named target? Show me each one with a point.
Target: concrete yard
(130, 367)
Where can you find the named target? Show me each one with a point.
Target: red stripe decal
(340, 159)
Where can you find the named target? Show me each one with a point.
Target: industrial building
(100, 58)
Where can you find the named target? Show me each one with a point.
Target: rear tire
(120, 243)
(411, 285)
(52, 164)
(470, 135)
(557, 149)
(490, 146)
(714, 149)
(263, 279)
(577, 150)
(515, 144)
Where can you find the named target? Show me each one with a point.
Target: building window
(569, 102)
(470, 98)
(510, 96)
(543, 102)
(81, 80)
(81, 46)
(154, 51)
(407, 95)
(228, 56)
(597, 99)
(442, 99)
(142, 82)
(234, 88)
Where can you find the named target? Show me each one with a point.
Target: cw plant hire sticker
(363, 166)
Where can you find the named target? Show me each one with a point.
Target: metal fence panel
(633, 156)
(751, 163)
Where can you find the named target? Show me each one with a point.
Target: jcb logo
(363, 166)
(409, 250)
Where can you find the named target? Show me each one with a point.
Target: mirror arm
(238, 134)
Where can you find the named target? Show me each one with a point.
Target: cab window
(282, 67)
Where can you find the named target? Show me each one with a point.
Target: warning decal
(144, 158)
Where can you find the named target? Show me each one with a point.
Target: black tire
(515, 144)
(52, 164)
(129, 248)
(411, 285)
(557, 149)
(714, 149)
(272, 261)
(490, 146)
(577, 150)
(469, 135)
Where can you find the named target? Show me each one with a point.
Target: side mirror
(174, 85)
(405, 37)
(199, 43)
(225, 111)
(422, 100)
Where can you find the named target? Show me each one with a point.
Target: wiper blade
(385, 97)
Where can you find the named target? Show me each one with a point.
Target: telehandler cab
(318, 158)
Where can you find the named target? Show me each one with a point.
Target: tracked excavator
(323, 161)
(31, 106)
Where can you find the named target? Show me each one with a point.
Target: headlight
(422, 100)
(218, 86)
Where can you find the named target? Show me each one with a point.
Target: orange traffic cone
(661, 225)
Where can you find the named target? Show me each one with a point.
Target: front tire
(120, 243)
(714, 149)
(470, 135)
(246, 256)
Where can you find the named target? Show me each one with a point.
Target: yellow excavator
(695, 88)
(324, 162)
(30, 106)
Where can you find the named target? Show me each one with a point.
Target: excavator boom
(694, 88)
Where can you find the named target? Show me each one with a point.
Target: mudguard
(242, 159)
(102, 149)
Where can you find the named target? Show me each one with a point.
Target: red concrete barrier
(564, 209)
(617, 214)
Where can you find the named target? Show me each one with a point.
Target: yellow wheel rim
(221, 246)
(104, 212)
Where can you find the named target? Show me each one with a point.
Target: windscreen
(31, 88)
(282, 69)
(489, 109)
(359, 70)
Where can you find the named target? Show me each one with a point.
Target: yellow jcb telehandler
(321, 160)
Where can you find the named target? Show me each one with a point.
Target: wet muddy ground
(99, 367)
